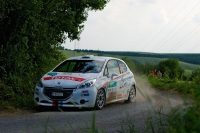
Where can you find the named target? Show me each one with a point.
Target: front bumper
(78, 98)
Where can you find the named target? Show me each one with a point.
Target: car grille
(66, 93)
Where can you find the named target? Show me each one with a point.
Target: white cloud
(197, 18)
(159, 15)
(131, 25)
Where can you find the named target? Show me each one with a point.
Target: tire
(131, 96)
(100, 99)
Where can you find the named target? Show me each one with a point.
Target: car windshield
(80, 66)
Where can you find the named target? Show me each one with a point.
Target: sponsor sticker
(114, 97)
(110, 90)
(52, 73)
(65, 78)
(65, 73)
(84, 91)
(114, 89)
(86, 94)
(113, 84)
(119, 96)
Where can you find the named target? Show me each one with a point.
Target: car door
(115, 82)
(125, 79)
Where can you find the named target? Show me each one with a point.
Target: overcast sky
(158, 26)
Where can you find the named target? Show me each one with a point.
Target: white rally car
(86, 81)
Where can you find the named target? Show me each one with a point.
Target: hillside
(136, 59)
(189, 57)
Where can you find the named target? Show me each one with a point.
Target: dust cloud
(143, 88)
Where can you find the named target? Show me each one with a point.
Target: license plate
(57, 94)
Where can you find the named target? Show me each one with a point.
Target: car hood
(66, 80)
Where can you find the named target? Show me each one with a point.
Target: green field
(140, 60)
(154, 61)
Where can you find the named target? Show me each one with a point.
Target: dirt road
(113, 118)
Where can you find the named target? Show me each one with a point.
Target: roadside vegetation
(184, 120)
(30, 33)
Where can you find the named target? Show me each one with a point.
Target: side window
(122, 67)
(113, 67)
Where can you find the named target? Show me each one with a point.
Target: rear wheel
(132, 94)
(100, 99)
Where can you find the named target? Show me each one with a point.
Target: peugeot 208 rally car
(86, 81)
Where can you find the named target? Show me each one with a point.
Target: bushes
(184, 87)
(17, 86)
(182, 119)
(195, 77)
(172, 68)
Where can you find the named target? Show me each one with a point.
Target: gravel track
(109, 119)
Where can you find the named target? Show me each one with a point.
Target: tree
(30, 32)
(172, 68)
(61, 48)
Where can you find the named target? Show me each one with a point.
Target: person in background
(159, 74)
(152, 73)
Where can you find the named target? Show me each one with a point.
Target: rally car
(86, 81)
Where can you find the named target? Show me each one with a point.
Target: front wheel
(132, 94)
(100, 99)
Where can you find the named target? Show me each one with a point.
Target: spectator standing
(152, 73)
(159, 74)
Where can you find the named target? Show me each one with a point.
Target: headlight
(86, 84)
(39, 84)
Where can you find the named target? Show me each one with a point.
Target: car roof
(91, 57)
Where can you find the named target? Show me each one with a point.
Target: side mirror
(112, 76)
